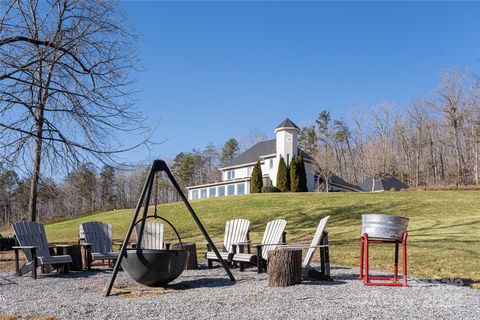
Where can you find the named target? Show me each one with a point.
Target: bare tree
(451, 103)
(65, 89)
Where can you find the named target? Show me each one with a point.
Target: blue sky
(213, 70)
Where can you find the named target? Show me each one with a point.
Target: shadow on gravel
(334, 282)
(5, 281)
(202, 283)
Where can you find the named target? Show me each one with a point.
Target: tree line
(433, 142)
(89, 189)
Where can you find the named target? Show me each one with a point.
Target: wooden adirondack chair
(32, 240)
(319, 241)
(235, 231)
(98, 241)
(152, 236)
(274, 235)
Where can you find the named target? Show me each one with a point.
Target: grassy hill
(444, 230)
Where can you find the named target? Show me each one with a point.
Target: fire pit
(153, 267)
(157, 267)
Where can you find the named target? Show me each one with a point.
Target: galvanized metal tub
(382, 226)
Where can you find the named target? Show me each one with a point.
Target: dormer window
(230, 174)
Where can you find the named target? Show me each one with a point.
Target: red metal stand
(383, 281)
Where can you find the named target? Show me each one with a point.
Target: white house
(237, 173)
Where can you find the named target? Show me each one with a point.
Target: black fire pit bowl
(154, 268)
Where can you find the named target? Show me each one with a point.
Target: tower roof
(287, 123)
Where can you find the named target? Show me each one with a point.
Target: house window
(241, 188)
(221, 191)
(231, 190)
(271, 163)
(230, 174)
(203, 193)
(194, 194)
(249, 171)
(212, 192)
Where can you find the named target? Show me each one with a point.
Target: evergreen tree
(294, 175)
(282, 176)
(302, 174)
(107, 187)
(256, 183)
(229, 150)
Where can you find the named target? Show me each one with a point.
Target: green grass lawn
(444, 230)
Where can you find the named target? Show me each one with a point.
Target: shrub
(302, 175)
(256, 183)
(283, 178)
(270, 189)
(294, 175)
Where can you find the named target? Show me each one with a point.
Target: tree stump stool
(284, 267)
(192, 263)
(74, 251)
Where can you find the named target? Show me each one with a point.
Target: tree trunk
(284, 267)
(32, 205)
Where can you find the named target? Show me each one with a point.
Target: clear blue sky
(213, 70)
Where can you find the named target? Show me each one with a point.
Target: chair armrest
(248, 242)
(302, 246)
(24, 247)
(269, 244)
(60, 245)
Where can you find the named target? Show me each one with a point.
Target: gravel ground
(207, 294)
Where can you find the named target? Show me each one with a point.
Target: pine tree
(302, 174)
(283, 178)
(256, 183)
(229, 150)
(294, 177)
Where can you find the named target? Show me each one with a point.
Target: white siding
(310, 176)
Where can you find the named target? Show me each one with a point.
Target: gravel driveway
(208, 294)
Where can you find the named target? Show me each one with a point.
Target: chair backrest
(98, 234)
(152, 235)
(315, 241)
(273, 234)
(235, 231)
(31, 234)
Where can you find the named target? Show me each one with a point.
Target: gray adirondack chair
(274, 235)
(98, 241)
(32, 240)
(319, 241)
(235, 231)
(152, 236)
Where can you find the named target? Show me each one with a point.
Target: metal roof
(385, 182)
(287, 123)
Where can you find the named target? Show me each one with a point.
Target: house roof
(384, 182)
(254, 153)
(259, 150)
(287, 123)
(339, 183)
